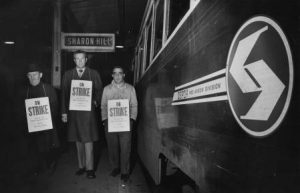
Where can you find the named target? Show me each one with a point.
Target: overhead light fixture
(9, 42)
(119, 46)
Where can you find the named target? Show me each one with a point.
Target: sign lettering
(93, 42)
(118, 115)
(81, 95)
(38, 114)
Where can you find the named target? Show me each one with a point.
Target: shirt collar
(118, 85)
(83, 69)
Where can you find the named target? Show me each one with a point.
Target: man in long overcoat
(44, 143)
(82, 125)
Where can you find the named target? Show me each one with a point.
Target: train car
(218, 93)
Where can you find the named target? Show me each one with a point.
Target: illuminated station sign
(89, 42)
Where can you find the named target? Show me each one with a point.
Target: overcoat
(45, 140)
(82, 125)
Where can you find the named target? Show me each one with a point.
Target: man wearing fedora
(43, 143)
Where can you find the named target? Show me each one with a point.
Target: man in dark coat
(82, 125)
(46, 142)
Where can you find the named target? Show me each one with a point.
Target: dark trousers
(119, 149)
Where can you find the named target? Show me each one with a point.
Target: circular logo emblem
(259, 75)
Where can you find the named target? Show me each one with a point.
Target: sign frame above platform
(89, 42)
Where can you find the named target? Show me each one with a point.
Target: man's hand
(64, 118)
(95, 103)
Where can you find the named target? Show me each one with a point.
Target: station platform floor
(64, 180)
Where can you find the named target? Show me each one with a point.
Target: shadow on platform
(64, 180)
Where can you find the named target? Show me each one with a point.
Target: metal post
(56, 47)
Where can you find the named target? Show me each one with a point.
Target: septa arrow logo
(269, 84)
(259, 76)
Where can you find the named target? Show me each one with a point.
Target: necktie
(80, 72)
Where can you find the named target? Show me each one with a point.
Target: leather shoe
(115, 172)
(80, 171)
(90, 174)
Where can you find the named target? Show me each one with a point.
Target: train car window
(177, 9)
(159, 17)
(148, 45)
(140, 58)
(135, 70)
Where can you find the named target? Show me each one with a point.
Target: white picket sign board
(118, 115)
(81, 95)
(38, 114)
